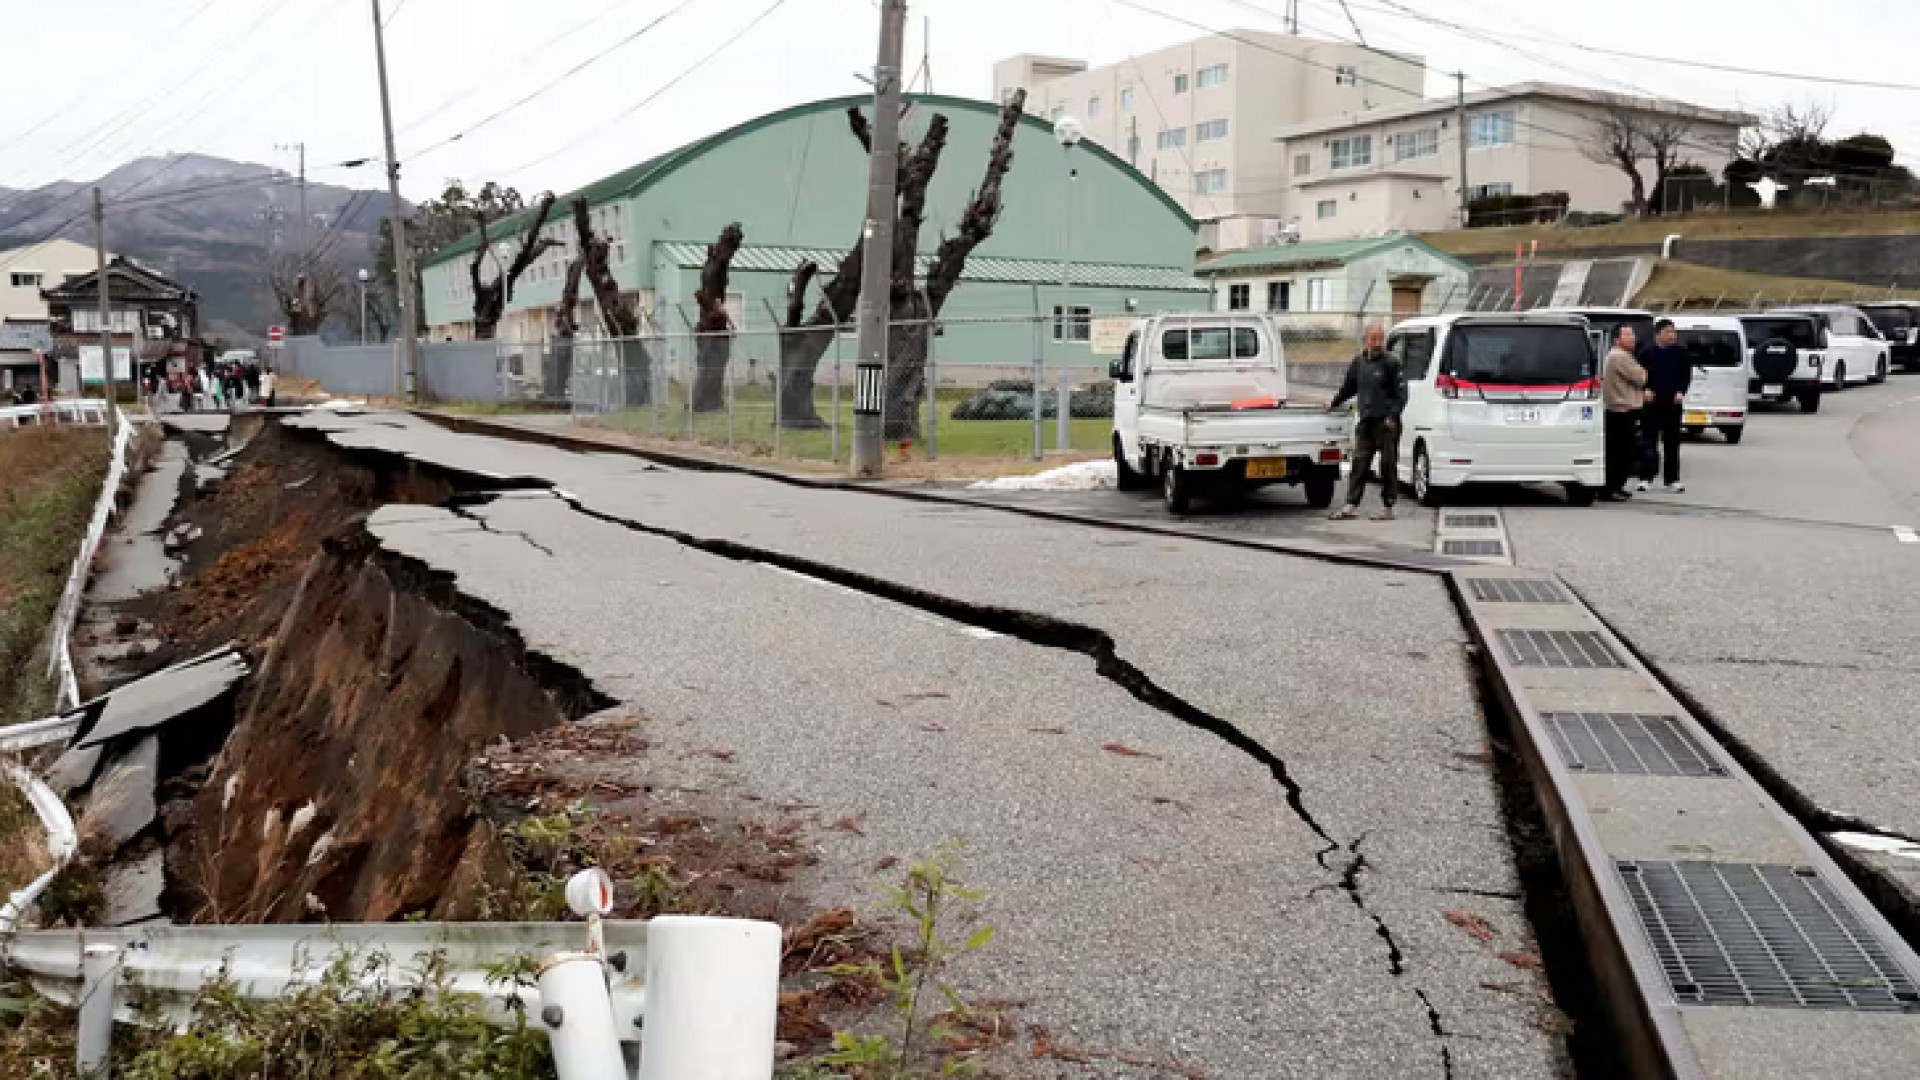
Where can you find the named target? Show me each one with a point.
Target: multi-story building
(24, 271)
(1396, 168)
(1199, 118)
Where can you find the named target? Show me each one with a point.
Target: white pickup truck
(1200, 404)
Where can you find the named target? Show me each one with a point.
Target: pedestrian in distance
(253, 380)
(1623, 391)
(1669, 375)
(266, 387)
(1377, 383)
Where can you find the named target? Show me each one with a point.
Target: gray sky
(236, 77)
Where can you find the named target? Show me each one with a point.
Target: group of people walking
(1643, 386)
(222, 384)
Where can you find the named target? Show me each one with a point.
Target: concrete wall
(1376, 204)
(1878, 262)
(456, 371)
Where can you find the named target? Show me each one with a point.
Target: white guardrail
(60, 643)
(59, 411)
(704, 991)
(62, 839)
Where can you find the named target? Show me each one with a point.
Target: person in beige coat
(1623, 391)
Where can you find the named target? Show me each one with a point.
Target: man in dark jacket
(1669, 375)
(1377, 380)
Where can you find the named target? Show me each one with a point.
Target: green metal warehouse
(795, 180)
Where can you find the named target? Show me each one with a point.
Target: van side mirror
(1117, 370)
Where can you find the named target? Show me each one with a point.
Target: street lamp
(1068, 133)
(364, 277)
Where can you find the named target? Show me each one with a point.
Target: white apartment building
(1396, 168)
(1199, 118)
(24, 271)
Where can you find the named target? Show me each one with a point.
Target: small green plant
(932, 895)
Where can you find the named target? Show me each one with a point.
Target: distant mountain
(209, 223)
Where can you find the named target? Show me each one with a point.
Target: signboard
(276, 335)
(91, 370)
(25, 335)
(1110, 334)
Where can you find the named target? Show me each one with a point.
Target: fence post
(712, 997)
(779, 368)
(933, 390)
(693, 363)
(837, 346)
(99, 975)
(1062, 433)
(1039, 376)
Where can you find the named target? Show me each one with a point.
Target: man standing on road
(1623, 390)
(1669, 374)
(1377, 380)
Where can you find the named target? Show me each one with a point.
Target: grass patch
(51, 479)
(23, 845)
(1681, 284)
(1717, 225)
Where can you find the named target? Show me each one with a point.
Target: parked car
(1717, 398)
(1786, 358)
(1855, 351)
(1499, 398)
(1899, 322)
(1200, 404)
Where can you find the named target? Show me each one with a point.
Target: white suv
(1495, 398)
(1785, 358)
(1855, 350)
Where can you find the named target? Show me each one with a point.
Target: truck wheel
(1840, 375)
(1879, 371)
(1734, 434)
(1810, 400)
(1177, 488)
(1423, 488)
(1321, 483)
(1124, 476)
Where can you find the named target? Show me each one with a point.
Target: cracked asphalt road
(1170, 904)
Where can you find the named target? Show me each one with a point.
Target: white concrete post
(99, 971)
(577, 1013)
(713, 988)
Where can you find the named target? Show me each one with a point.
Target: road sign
(276, 335)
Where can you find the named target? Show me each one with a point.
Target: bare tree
(1618, 138)
(805, 339)
(616, 311)
(1666, 136)
(566, 323)
(490, 298)
(307, 291)
(1790, 143)
(713, 340)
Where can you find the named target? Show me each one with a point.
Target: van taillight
(1206, 459)
(1584, 391)
(1447, 385)
(1331, 455)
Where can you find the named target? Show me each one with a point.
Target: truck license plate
(1696, 418)
(1522, 416)
(1266, 468)
(1772, 388)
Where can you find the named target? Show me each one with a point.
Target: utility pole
(1293, 17)
(300, 232)
(876, 271)
(397, 216)
(106, 325)
(1460, 122)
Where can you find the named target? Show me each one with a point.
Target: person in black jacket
(1377, 380)
(1669, 375)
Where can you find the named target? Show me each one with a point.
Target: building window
(1279, 295)
(1302, 164)
(1346, 75)
(1058, 112)
(1126, 97)
(1216, 75)
(1352, 153)
(1239, 297)
(1416, 144)
(1490, 191)
(1327, 208)
(1211, 129)
(1210, 182)
(1490, 129)
(1320, 294)
(1173, 138)
(1072, 324)
(1179, 84)
(1093, 107)
(26, 281)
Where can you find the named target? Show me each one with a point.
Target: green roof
(1327, 253)
(784, 260)
(637, 178)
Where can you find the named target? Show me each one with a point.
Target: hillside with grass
(1649, 232)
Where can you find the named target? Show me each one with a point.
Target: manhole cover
(1472, 547)
(1762, 934)
(1559, 649)
(1629, 743)
(1472, 521)
(1519, 591)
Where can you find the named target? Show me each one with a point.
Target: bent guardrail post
(99, 978)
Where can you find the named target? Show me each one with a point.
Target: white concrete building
(1395, 276)
(24, 271)
(1199, 118)
(1397, 168)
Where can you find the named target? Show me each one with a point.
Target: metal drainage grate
(1472, 547)
(1559, 648)
(1519, 591)
(1472, 521)
(1631, 743)
(1760, 934)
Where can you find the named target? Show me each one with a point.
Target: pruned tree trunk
(616, 314)
(559, 372)
(490, 298)
(713, 339)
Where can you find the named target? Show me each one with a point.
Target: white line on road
(1905, 535)
(978, 633)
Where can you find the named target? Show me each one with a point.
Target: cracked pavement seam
(1056, 633)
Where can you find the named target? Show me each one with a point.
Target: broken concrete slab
(165, 695)
(133, 890)
(122, 803)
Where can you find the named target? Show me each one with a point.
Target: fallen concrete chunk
(150, 702)
(122, 802)
(133, 890)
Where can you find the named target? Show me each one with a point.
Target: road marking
(1905, 535)
(978, 633)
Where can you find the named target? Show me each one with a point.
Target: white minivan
(1500, 399)
(1717, 396)
(1855, 350)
